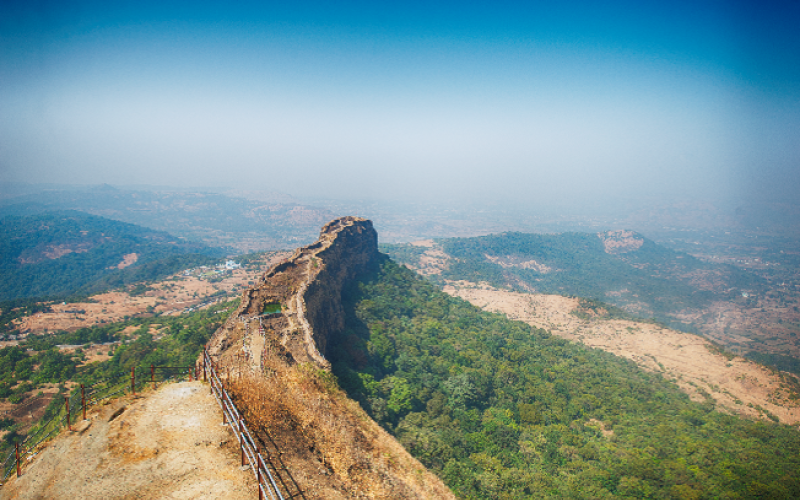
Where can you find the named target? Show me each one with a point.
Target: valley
(68, 253)
(182, 292)
(502, 409)
(400, 251)
(741, 309)
(123, 311)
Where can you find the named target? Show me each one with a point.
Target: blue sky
(412, 100)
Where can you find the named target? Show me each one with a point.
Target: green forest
(501, 410)
(59, 254)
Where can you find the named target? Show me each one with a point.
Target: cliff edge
(296, 305)
(271, 353)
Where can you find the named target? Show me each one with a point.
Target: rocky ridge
(307, 288)
(271, 352)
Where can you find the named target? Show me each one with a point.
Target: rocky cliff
(272, 354)
(307, 288)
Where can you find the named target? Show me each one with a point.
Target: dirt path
(169, 444)
(736, 384)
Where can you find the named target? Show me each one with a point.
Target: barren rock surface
(168, 444)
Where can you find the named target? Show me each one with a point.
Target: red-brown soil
(170, 296)
(433, 261)
(128, 260)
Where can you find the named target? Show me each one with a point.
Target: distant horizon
(574, 103)
(610, 209)
(32, 187)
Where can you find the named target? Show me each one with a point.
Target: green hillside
(650, 280)
(501, 410)
(61, 253)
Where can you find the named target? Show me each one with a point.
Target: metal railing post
(241, 438)
(258, 472)
(153, 376)
(16, 453)
(133, 380)
(66, 402)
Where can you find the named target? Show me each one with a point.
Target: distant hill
(61, 253)
(620, 267)
(244, 221)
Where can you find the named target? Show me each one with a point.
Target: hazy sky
(414, 99)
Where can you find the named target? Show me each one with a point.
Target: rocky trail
(169, 443)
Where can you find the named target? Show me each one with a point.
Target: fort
(272, 352)
(307, 286)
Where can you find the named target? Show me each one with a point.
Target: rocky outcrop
(350, 246)
(308, 288)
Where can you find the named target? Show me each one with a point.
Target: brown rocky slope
(273, 350)
(698, 367)
(166, 443)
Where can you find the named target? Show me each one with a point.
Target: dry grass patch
(332, 448)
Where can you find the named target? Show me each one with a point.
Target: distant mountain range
(241, 222)
(60, 253)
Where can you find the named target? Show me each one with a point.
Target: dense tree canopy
(502, 410)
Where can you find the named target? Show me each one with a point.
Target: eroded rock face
(353, 246)
(308, 288)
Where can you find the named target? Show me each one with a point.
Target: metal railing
(267, 477)
(78, 402)
(270, 483)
